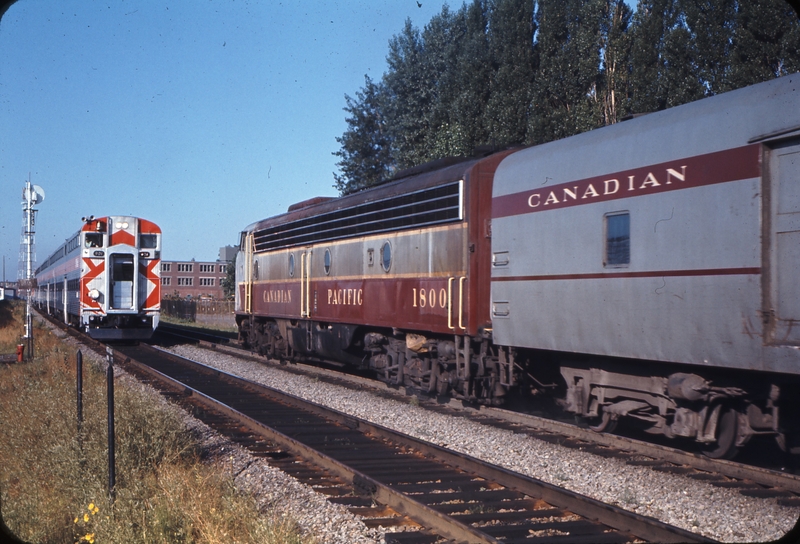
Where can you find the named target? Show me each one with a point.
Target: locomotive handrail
(461, 281)
(302, 284)
(248, 274)
(450, 281)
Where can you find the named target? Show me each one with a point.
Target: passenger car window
(618, 239)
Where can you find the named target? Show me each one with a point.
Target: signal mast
(31, 195)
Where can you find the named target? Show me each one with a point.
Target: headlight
(94, 294)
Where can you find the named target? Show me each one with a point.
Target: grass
(53, 490)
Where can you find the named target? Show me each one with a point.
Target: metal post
(110, 388)
(79, 369)
(29, 327)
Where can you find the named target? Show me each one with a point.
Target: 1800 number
(425, 298)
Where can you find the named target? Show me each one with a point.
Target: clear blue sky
(202, 116)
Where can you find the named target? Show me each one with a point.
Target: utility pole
(31, 195)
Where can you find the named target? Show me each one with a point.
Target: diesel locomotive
(644, 271)
(105, 279)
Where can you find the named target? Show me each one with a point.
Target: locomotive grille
(441, 204)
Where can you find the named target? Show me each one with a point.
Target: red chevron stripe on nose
(94, 272)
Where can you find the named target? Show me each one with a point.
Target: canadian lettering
(606, 188)
(278, 296)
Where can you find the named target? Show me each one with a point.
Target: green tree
(463, 81)
(664, 66)
(408, 90)
(616, 50)
(565, 91)
(511, 31)
(229, 282)
(365, 153)
(766, 43)
(711, 24)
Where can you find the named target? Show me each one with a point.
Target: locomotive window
(147, 241)
(94, 239)
(255, 269)
(386, 256)
(618, 239)
(291, 265)
(327, 261)
(122, 268)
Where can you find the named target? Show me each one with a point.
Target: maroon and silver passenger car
(646, 270)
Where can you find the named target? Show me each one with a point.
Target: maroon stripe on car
(719, 167)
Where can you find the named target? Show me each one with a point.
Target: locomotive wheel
(725, 447)
(607, 424)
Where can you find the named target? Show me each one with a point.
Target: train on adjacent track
(105, 279)
(644, 271)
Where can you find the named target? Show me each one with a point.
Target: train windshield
(148, 241)
(94, 239)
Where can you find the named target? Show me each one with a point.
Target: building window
(166, 280)
(222, 268)
(618, 239)
(185, 267)
(185, 282)
(206, 268)
(207, 282)
(166, 267)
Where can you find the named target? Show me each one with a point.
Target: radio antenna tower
(31, 195)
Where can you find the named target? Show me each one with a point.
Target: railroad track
(376, 471)
(748, 480)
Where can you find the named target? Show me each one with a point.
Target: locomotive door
(784, 254)
(121, 282)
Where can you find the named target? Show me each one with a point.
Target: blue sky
(202, 116)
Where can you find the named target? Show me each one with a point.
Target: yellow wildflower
(76, 520)
(86, 518)
(91, 506)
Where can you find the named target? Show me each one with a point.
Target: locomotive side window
(386, 256)
(327, 262)
(618, 239)
(291, 265)
(94, 239)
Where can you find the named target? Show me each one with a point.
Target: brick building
(196, 279)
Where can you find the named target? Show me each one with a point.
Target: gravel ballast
(718, 513)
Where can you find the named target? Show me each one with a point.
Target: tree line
(496, 73)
